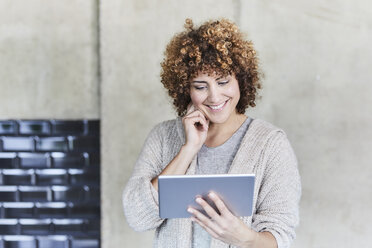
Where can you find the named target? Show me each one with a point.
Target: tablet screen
(177, 193)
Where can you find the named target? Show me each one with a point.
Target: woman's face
(215, 96)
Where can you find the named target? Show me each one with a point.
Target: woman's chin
(217, 119)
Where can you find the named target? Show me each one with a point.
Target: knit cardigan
(264, 151)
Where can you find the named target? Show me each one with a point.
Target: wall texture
(48, 59)
(315, 56)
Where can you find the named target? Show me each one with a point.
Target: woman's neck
(225, 130)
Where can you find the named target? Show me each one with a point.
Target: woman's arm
(178, 166)
(140, 197)
(196, 129)
(277, 206)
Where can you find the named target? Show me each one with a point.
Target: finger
(219, 204)
(190, 108)
(208, 209)
(203, 113)
(207, 222)
(204, 116)
(196, 112)
(196, 119)
(199, 113)
(209, 230)
(200, 216)
(204, 124)
(193, 119)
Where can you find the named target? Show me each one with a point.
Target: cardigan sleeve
(280, 191)
(140, 199)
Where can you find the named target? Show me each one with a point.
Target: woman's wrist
(260, 240)
(249, 239)
(254, 240)
(189, 151)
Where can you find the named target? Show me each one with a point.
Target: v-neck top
(217, 160)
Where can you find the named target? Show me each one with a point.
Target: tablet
(177, 193)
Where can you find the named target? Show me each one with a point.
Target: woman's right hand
(196, 128)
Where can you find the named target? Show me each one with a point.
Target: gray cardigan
(264, 151)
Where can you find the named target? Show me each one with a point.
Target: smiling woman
(211, 73)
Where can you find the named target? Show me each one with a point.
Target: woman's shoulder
(167, 132)
(167, 124)
(169, 129)
(265, 134)
(264, 127)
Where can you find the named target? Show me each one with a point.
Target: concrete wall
(48, 59)
(315, 56)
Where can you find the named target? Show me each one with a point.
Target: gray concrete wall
(315, 56)
(48, 59)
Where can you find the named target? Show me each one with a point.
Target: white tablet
(177, 193)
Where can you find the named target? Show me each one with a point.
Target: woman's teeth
(217, 107)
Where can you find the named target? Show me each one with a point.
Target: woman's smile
(219, 107)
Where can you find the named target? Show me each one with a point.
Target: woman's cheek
(197, 99)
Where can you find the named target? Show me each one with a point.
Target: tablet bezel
(177, 192)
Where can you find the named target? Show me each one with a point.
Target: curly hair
(216, 46)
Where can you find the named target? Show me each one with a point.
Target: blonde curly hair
(215, 46)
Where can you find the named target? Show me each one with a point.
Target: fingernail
(198, 200)
(189, 210)
(212, 194)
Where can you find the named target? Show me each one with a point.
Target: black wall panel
(49, 184)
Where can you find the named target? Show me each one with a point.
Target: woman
(211, 73)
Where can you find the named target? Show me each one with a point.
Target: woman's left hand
(224, 226)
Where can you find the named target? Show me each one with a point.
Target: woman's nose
(213, 95)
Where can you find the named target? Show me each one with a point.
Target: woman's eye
(199, 87)
(223, 82)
